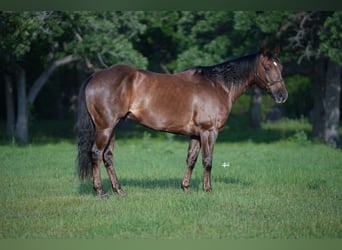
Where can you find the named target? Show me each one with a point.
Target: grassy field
(278, 185)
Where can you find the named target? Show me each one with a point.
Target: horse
(195, 102)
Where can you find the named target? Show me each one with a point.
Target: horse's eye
(267, 68)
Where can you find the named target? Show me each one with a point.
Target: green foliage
(206, 39)
(18, 32)
(109, 35)
(300, 137)
(192, 57)
(244, 20)
(176, 40)
(331, 37)
(271, 21)
(261, 25)
(100, 37)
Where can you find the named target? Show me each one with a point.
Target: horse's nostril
(282, 97)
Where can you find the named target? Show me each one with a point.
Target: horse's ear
(265, 49)
(276, 50)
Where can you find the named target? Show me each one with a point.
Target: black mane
(230, 73)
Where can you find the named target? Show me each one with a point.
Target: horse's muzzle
(280, 96)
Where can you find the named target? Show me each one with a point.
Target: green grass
(285, 189)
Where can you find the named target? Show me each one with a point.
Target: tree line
(61, 48)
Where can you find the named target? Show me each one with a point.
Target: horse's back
(113, 74)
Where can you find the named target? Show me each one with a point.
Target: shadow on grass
(233, 181)
(86, 187)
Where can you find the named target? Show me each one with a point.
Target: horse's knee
(191, 161)
(96, 154)
(108, 158)
(207, 163)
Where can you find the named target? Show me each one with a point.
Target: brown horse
(195, 102)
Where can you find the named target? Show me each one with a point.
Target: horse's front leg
(193, 150)
(208, 139)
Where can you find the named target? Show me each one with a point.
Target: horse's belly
(178, 121)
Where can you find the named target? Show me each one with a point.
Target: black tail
(85, 136)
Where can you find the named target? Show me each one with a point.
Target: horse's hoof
(186, 189)
(120, 192)
(104, 196)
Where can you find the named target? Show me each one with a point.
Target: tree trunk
(10, 115)
(327, 91)
(23, 100)
(331, 103)
(319, 91)
(256, 115)
(21, 129)
(44, 76)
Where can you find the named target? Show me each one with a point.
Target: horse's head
(267, 75)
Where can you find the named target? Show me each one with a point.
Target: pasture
(283, 186)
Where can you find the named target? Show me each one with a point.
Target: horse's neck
(237, 90)
(236, 76)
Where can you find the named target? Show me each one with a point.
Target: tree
(207, 38)
(54, 39)
(318, 38)
(330, 45)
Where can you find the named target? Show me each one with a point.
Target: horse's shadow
(86, 188)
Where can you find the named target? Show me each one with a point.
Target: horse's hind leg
(102, 137)
(108, 161)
